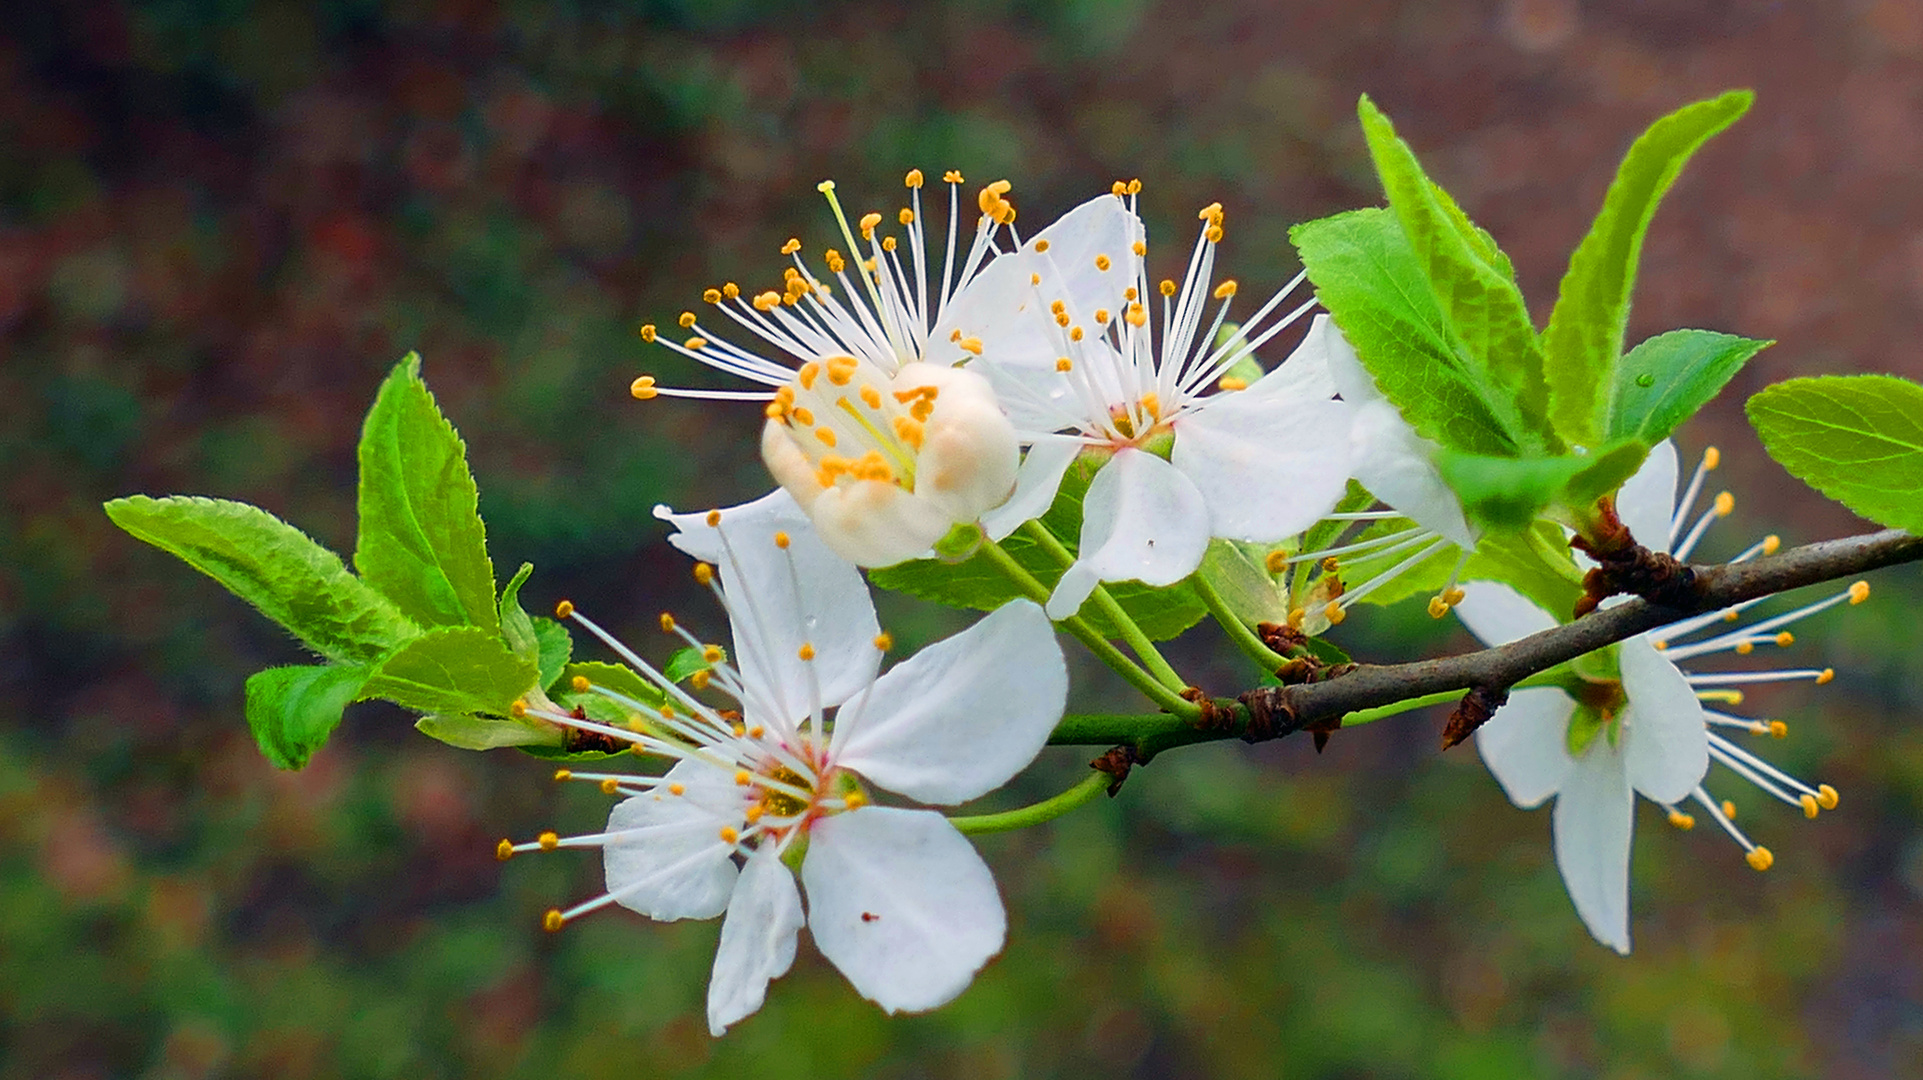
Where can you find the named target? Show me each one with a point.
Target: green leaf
(1666, 379)
(686, 662)
(1473, 283)
(618, 678)
(555, 648)
(516, 628)
(1237, 572)
(273, 566)
(454, 670)
(1507, 493)
(1856, 438)
(1585, 334)
(292, 710)
(1535, 562)
(978, 583)
(421, 539)
(1368, 277)
(468, 732)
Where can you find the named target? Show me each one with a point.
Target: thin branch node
(1116, 763)
(1477, 706)
(1625, 566)
(1271, 713)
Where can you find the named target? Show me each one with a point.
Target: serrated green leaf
(469, 732)
(686, 662)
(1236, 571)
(554, 647)
(1856, 438)
(616, 677)
(273, 566)
(1585, 334)
(1368, 277)
(421, 538)
(517, 629)
(1473, 284)
(292, 710)
(1666, 379)
(1507, 493)
(978, 583)
(454, 670)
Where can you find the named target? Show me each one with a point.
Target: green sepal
(454, 670)
(292, 710)
(1585, 723)
(542, 640)
(421, 540)
(1237, 572)
(1585, 335)
(273, 566)
(961, 542)
(1668, 378)
(1856, 438)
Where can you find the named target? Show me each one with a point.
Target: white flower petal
(1072, 591)
(1526, 744)
(781, 599)
(1648, 499)
(1267, 467)
(1000, 308)
(902, 904)
(1036, 484)
(1352, 380)
(1665, 737)
(1307, 372)
(968, 457)
(875, 523)
(1498, 614)
(676, 866)
(757, 939)
(1101, 227)
(1141, 521)
(1398, 466)
(1593, 818)
(962, 716)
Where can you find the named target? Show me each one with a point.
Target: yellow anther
(610, 786)
(826, 435)
(711, 654)
(754, 812)
(1712, 457)
(868, 223)
(552, 921)
(855, 800)
(971, 344)
(548, 841)
(1139, 248)
(887, 243)
(1453, 596)
(695, 344)
(687, 320)
(1437, 609)
(1034, 279)
(1725, 502)
(1225, 290)
(1118, 189)
(703, 573)
(1136, 316)
(518, 709)
(913, 179)
(1213, 234)
(757, 731)
(922, 410)
(1681, 820)
(1063, 363)
(740, 730)
(1785, 639)
(1210, 213)
(1134, 187)
(1778, 729)
(841, 369)
(834, 260)
(793, 245)
(1297, 617)
(1771, 543)
(677, 789)
(742, 778)
(804, 416)
(643, 388)
(1810, 809)
(1001, 187)
(1721, 697)
(667, 623)
(1057, 307)
(807, 375)
(1759, 858)
(1744, 648)
(711, 296)
(1101, 262)
(773, 410)
(729, 834)
(1659, 646)
(713, 518)
(580, 684)
(1826, 796)
(1151, 404)
(782, 540)
(1276, 561)
(1232, 382)
(905, 216)
(1331, 564)
(1101, 316)
(1166, 288)
(1075, 333)
(700, 679)
(1333, 612)
(730, 290)
(908, 430)
(806, 652)
(1131, 295)
(1825, 676)
(1731, 616)
(667, 712)
(1859, 592)
(564, 609)
(952, 177)
(1061, 318)
(504, 850)
(646, 332)
(825, 186)
(767, 301)
(884, 641)
(1729, 810)
(563, 774)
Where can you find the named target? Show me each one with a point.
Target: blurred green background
(221, 221)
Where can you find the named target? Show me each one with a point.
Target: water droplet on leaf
(1645, 380)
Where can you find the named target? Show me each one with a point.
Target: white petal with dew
(1036, 483)
(1141, 521)
(1266, 467)
(1593, 818)
(820, 600)
(757, 939)
(1526, 744)
(675, 831)
(1498, 614)
(1665, 737)
(962, 716)
(902, 904)
(1648, 499)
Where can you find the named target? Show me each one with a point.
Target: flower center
(845, 417)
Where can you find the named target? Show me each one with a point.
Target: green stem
(1138, 642)
(1046, 810)
(1245, 639)
(1095, 642)
(1365, 716)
